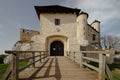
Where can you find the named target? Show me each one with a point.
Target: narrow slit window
(94, 37)
(57, 21)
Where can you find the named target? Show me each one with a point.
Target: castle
(62, 29)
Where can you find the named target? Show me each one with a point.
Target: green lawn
(113, 66)
(116, 75)
(21, 64)
(3, 67)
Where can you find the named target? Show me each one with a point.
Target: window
(57, 21)
(93, 37)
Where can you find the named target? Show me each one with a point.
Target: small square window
(57, 21)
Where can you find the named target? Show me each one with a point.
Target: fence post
(40, 56)
(44, 55)
(70, 55)
(101, 74)
(81, 60)
(33, 59)
(15, 67)
(48, 53)
(74, 56)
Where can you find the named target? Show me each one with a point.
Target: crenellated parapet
(26, 34)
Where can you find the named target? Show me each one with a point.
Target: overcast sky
(16, 14)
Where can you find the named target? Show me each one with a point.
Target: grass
(21, 64)
(3, 67)
(116, 75)
(112, 67)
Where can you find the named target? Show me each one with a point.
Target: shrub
(117, 60)
(2, 58)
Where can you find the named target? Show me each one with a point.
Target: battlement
(26, 34)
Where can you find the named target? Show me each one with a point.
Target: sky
(16, 14)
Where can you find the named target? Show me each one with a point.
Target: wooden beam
(101, 74)
(17, 52)
(91, 59)
(40, 56)
(108, 72)
(81, 60)
(90, 66)
(33, 59)
(15, 66)
(100, 52)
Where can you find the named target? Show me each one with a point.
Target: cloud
(100, 9)
(106, 11)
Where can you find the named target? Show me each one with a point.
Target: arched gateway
(57, 48)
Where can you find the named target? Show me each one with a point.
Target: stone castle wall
(26, 34)
(88, 34)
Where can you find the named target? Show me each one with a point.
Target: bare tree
(110, 42)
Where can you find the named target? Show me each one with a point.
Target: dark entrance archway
(57, 48)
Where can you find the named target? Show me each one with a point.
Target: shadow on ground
(57, 74)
